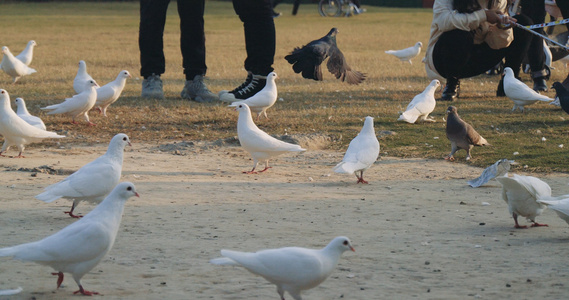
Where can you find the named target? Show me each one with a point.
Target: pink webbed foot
(59, 278)
(265, 169)
(91, 124)
(85, 292)
(70, 213)
(449, 158)
(250, 172)
(361, 180)
(520, 227)
(535, 224)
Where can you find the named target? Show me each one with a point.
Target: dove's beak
(234, 106)
(136, 194)
(129, 144)
(352, 248)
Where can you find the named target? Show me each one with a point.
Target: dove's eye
(345, 243)
(124, 139)
(129, 188)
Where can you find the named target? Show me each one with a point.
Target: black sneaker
(452, 90)
(244, 91)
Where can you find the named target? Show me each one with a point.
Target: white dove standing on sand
(78, 105)
(519, 92)
(258, 143)
(80, 246)
(521, 194)
(81, 77)
(23, 113)
(408, 53)
(561, 207)
(362, 152)
(421, 105)
(291, 269)
(13, 66)
(264, 99)
(92, 182)
(15, 130)
(110, 92)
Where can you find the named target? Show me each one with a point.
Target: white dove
(408, 53)
(27, 55)
(258, 143)
(561, 207)
(520, 193)
(110, 92)
(23, 113)
(421, 105)
(264, 99)
(291, 269)
(92, 182)
(15, 130)
(81, 77)
(499, 168)
(80, 246)
(519, 92)
(78, 105)
(362, 152)
(13, 66)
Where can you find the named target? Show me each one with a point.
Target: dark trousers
(456, 56)
(535, 10)
(192, 40)
(260, 35)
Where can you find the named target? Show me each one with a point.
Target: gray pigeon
(461, 134)
(309, 58)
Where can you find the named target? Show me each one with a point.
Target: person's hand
(497, 17)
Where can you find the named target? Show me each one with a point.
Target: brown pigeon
(309, 58)
(461, 134)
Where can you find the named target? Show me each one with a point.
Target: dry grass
(105, 35)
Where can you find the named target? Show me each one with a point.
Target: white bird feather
(78, 105)
(22, 112)
(521, 194)
(408, 53)
(262, 100)
(13, 66)
(519, 92)
(81, 78)
(110, 92)
(422, 105)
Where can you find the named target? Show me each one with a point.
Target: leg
(150, 36)
(468, 156)
(71, 211)
(59, 278)
(266, 166)
(535, 10)
(516, 221)
(81, 289)
(453, 149)
(535, 224)
(192, 40)
(255, 163)
(5, 147)
(361, 177)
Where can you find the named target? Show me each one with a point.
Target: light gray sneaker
(197, 90)
(152, 87)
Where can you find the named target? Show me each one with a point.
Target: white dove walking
(79, 247)
(13, 66)
(519, 92)
(362, 152)
(15, 130)
(23, 113)
(521, 194)
(110, 92)
(258, 143)
(263, 99)
(92, 182)
(408, 53)
(291, 269)
(421, 105)
(78, 105)
(81, 78)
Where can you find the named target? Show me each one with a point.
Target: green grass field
(105, 35)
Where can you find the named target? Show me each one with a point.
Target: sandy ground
(419, 230)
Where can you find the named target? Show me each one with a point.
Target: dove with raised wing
(291, 269)
(110, 92)
(521, 194)
(13, 66)
(92, 182)
(308, 59)
(79, 247)
(421, 105)
(78, 105)
(362, 152)
(519, 92)
(81, 78)
(560, 206)
(258, 143)
(461, 134)
(263, 100)
(499, 168)
(408, 53)
(15, 130)
(22, 112)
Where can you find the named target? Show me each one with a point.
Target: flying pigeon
(421, 105)
(408, 53)
(499, 168)
(257, 142)
(110, 92)
(263, 100)
(13, 66)
(23, 113)
(80, 246)
(520, 193)
(78, 105)
(461, 135)
(92, 182)
(519, 92)
(309, 58)
(561, 207)
(362, 152)
(563, 95)
(15, 130)
(81, 77)
(291, 269)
